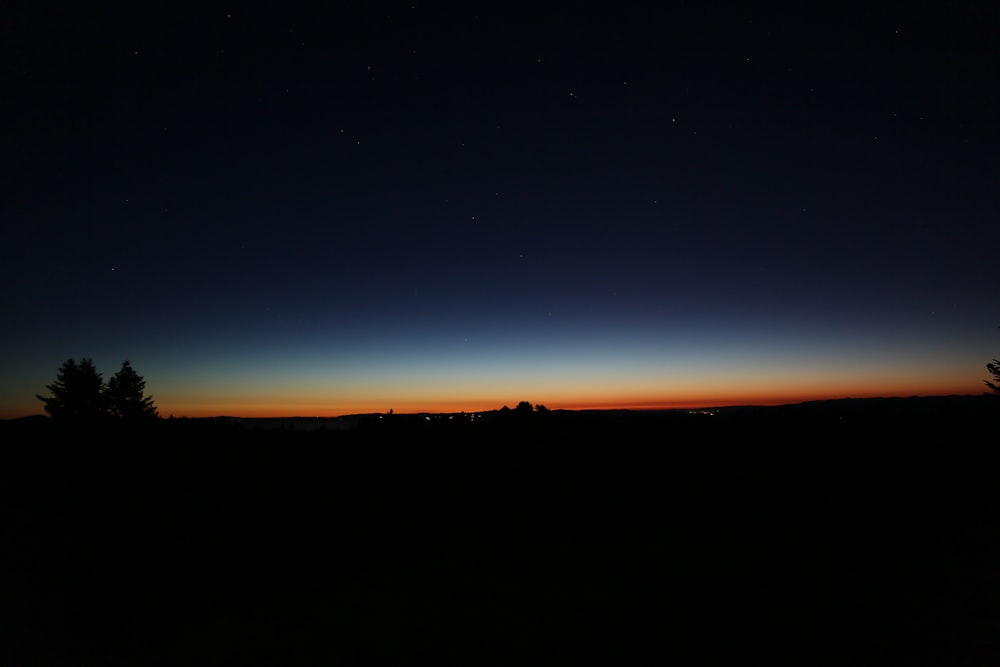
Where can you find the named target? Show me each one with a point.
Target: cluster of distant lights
(471, 416)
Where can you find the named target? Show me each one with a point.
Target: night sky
(355, 207)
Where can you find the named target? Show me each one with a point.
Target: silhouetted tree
(77, 393)
(994, 368)
(124, 396)
(523, 408)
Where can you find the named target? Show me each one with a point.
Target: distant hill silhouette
(958, 415)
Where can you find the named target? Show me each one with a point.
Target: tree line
(80, 394)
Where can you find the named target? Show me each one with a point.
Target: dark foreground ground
(865, 535)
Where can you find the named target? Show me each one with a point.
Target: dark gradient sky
(312, 209)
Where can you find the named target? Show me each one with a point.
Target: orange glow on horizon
(317, 402)
(444, 406)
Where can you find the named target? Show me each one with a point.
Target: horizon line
(599, 407)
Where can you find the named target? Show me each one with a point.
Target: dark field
(846, 533)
